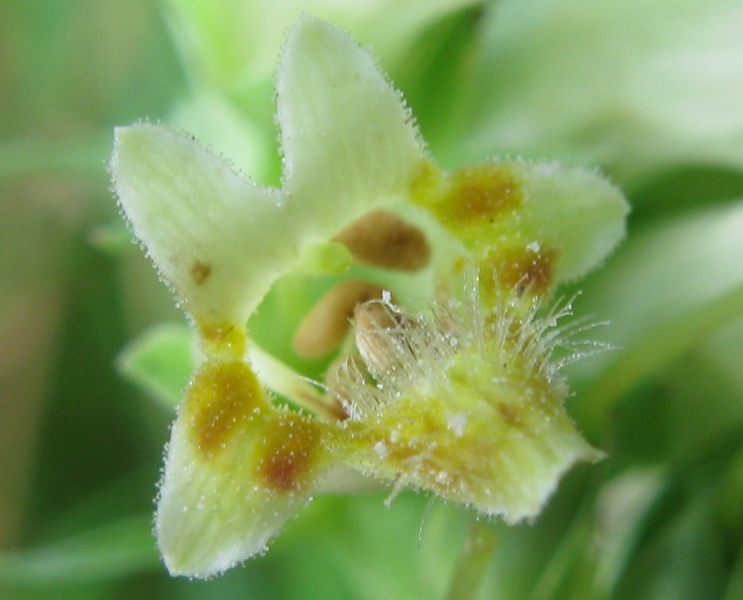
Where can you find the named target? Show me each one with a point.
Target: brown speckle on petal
(219, 399)
(478, 194)
(288, 449)
(200, 272)
(524, 270)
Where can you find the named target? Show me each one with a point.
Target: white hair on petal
(401, 347)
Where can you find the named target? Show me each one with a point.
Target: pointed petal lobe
(348, 140)
(237, 468)
(218, 238)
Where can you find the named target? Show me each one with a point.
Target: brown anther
(324, 328)
(382, 239)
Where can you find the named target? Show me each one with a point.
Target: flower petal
(218, 238)
(535, 224)
(348, 140)
(237, 468)
(497, 455)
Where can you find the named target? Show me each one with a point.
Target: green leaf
(672, 99)
(116, 550)
(735, 583)
(80, 157)
(219, 122)
(624, 505)
(704, 415)
(730, 499)
(668, 288)
(472, 563)
(215, 32)
(681, 560)
(161, 362)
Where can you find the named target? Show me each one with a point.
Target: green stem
(283, 380)
(563, 559)
(472, 563)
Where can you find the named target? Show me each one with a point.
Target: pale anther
(325, 326)
(383, 336)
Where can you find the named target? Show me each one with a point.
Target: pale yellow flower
(458, 395)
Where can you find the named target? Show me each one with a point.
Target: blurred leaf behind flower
(68, 72)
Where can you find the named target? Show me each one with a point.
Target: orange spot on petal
(289, 447)
(220, 398)
(480, 193)
(524, 270)
(508, 412)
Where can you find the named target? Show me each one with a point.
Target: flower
(462, 398)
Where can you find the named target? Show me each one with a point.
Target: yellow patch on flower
(221, 401)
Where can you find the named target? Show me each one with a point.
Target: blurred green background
(650, 92)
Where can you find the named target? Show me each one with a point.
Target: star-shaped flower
(461, 397)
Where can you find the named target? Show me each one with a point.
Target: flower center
(379, 239)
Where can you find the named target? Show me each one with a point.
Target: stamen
(344, 377)
(281, 379)
(382, 239)
(325, 326)
(383, 337)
